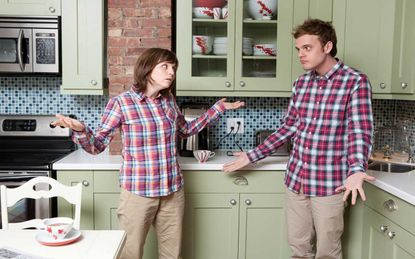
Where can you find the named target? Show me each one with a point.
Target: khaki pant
(136, 214)
(315, 225)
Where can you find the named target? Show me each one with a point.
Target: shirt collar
(329, 73)
(140, 95)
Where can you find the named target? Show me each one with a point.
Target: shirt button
(318, 102)
(306, 147)
(314, 118)
(305, 164)
(309, 132)
(320, 88)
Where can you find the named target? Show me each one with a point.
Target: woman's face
(162, 76)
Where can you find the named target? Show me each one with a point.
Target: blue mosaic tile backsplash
(41, 95)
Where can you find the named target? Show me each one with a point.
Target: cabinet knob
(390, 205)
(383, 228)
(242, 83)
(248, 202)
(228, 84)
(404, 85)
(85, 183)
(51, 9)
(382, 85)
(391, 234)
(233, 202)
(93, 82)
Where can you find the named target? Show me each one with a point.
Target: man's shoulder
(352, 72)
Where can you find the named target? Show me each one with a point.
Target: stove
(29, 145)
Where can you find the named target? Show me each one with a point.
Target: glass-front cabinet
(234, 48)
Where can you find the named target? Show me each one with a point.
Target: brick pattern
(133, 26)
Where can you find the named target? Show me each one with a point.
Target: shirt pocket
(171, 114)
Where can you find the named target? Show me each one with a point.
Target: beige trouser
(315, 225)
(136, 214)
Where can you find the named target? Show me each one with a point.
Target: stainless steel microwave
(29, 45)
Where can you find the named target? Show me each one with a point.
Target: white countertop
(401, 185)
(81, 160)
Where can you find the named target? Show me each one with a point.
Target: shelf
(262, 22)
(199, 20)
(209, 56)
(260, 57)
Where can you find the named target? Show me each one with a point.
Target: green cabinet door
(304, 9)
(105, 208)
(30, 7)
(66, 209)
(374, 37)
(83, 42)
(262, 227)
(383, 239)
(210, 226)
(235, 72)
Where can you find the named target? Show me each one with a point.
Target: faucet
(387, 152)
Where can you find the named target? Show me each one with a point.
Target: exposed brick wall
(133, 26)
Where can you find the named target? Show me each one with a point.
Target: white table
(92, 244)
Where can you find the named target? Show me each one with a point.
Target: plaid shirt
(149, 130)
(329, 119)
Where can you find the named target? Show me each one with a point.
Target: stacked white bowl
(247, 46)
(265, 50)
(220, 45)
(202, 44)
(203, 12)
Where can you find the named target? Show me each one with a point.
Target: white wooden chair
(10, 196)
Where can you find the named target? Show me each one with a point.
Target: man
(329, 119)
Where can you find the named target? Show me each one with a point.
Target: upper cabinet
(377, 38)
(83, 45)
(30, 7)
(234, 50)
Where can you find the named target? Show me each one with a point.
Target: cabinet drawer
(106, 181)
(403, 212)
(242, 181)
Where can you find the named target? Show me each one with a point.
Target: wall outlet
(233, 122)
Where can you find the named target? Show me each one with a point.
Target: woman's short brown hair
(145, 64)
(324, 30)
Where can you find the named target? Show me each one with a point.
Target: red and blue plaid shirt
(330, 121)
(149, 130)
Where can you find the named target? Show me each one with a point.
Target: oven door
(15, 50)
(25, 209)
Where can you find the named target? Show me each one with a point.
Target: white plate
(44, 238)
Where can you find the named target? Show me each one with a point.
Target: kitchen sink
(390, 167)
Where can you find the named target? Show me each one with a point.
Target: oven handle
(19, 49)
(15, 178)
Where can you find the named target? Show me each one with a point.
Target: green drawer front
(106, 181)
(242, 181)
(404, 214)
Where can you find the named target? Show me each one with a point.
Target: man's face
(311, 53)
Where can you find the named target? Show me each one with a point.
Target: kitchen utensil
(262, 9)
(209, 3)
(202, 44)
(203, 155)
(203, 12)
(58, 228)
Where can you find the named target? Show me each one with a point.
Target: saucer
(45, 239)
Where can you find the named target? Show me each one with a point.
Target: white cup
(224, 13)
(58, 228)
(202, 44)
(217, 13)
(203, 155)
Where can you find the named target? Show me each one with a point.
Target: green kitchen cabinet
(388, 228)
(384, 239)
(305, 9)
(377, 38)
(66, 209)
(83, 47)
(235, 72)
(237, 215)
(30, 7)
(100, 197)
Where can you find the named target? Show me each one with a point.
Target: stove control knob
(51, 125)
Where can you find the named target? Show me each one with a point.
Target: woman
(150, 178)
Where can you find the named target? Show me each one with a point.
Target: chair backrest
(10, 196)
